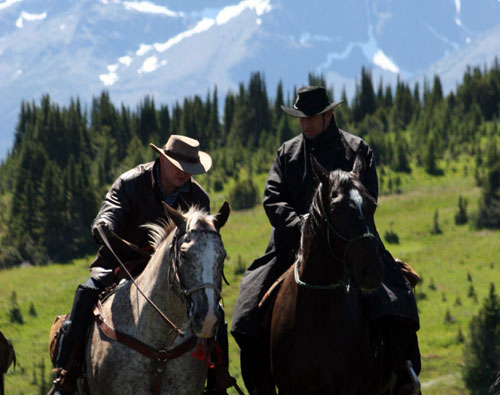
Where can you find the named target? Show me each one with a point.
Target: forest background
(439, 176)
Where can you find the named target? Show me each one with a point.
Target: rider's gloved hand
(105, 227)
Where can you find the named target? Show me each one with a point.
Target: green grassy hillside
(451, 264)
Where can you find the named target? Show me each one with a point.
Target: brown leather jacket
(135, 199)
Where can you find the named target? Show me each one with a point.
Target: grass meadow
(457, 267)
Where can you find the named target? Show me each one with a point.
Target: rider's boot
(256, 366)
(72, 341)
(406, 355)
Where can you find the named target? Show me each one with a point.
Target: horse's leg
(256, 367)
(1, 385)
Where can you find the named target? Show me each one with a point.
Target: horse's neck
(155, 284)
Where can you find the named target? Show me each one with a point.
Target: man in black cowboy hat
(134, 199)
(287, 198)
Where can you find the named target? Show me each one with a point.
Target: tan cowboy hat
(310, 101)
(184, 152)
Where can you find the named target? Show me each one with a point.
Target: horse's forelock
(195, 219)
(199, 219)
(342, 182)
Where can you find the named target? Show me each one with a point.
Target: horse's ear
(319, 171)
(176, 216)
(222, 216)
(358, 167)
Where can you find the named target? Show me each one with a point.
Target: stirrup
(414, 382)
(57, 384)
(413, 376)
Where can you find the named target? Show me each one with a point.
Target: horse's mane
(195, 218)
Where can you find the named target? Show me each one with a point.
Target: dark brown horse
(321, 341)
(7, 356)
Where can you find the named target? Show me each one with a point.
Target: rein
(345, 280)
(158, 310)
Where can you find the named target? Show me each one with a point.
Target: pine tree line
(64, 158)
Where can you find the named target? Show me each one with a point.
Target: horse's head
(198, 257)
(348, 210)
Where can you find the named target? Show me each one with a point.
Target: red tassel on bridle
(202, 354)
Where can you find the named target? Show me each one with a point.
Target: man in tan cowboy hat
(134, 199)
(287, 198)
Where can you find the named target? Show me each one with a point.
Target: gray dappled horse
(183, 278)
(7, 356)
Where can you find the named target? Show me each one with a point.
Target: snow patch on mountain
(150, 8)
(152, 63)
(8, 3)
(26, 16)
(371, 51)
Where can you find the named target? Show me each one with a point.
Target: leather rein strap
(161, 356)
(165, 318)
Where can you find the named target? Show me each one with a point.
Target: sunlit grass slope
(457, 267)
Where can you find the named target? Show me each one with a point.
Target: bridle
(185, 293)
(345, 280)
(179, 238)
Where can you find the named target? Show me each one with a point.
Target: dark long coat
(135, 199)
(288, 195)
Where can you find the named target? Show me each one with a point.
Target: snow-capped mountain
(176, 48)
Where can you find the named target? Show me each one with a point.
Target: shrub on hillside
(390, 236)
(10, 256)
(15, 312)
(461, 216)
(244, 195)
(436, 229)
(482, 347)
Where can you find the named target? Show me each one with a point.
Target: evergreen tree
(285, 132)
(401, 154)
(430, 156)
(436, 229)
(176, 119)
(364, 101)
(482, 347)
(402, 110)
(461, 216)
(437, 92)
(489, 203)
(316, 80)
(258, 108)
(278, 102)
(214, 130)
(164, 123)
(147, 129)
(229, 106)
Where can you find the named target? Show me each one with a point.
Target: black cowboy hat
(310, 101)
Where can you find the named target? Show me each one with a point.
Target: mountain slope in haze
(174, 49)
